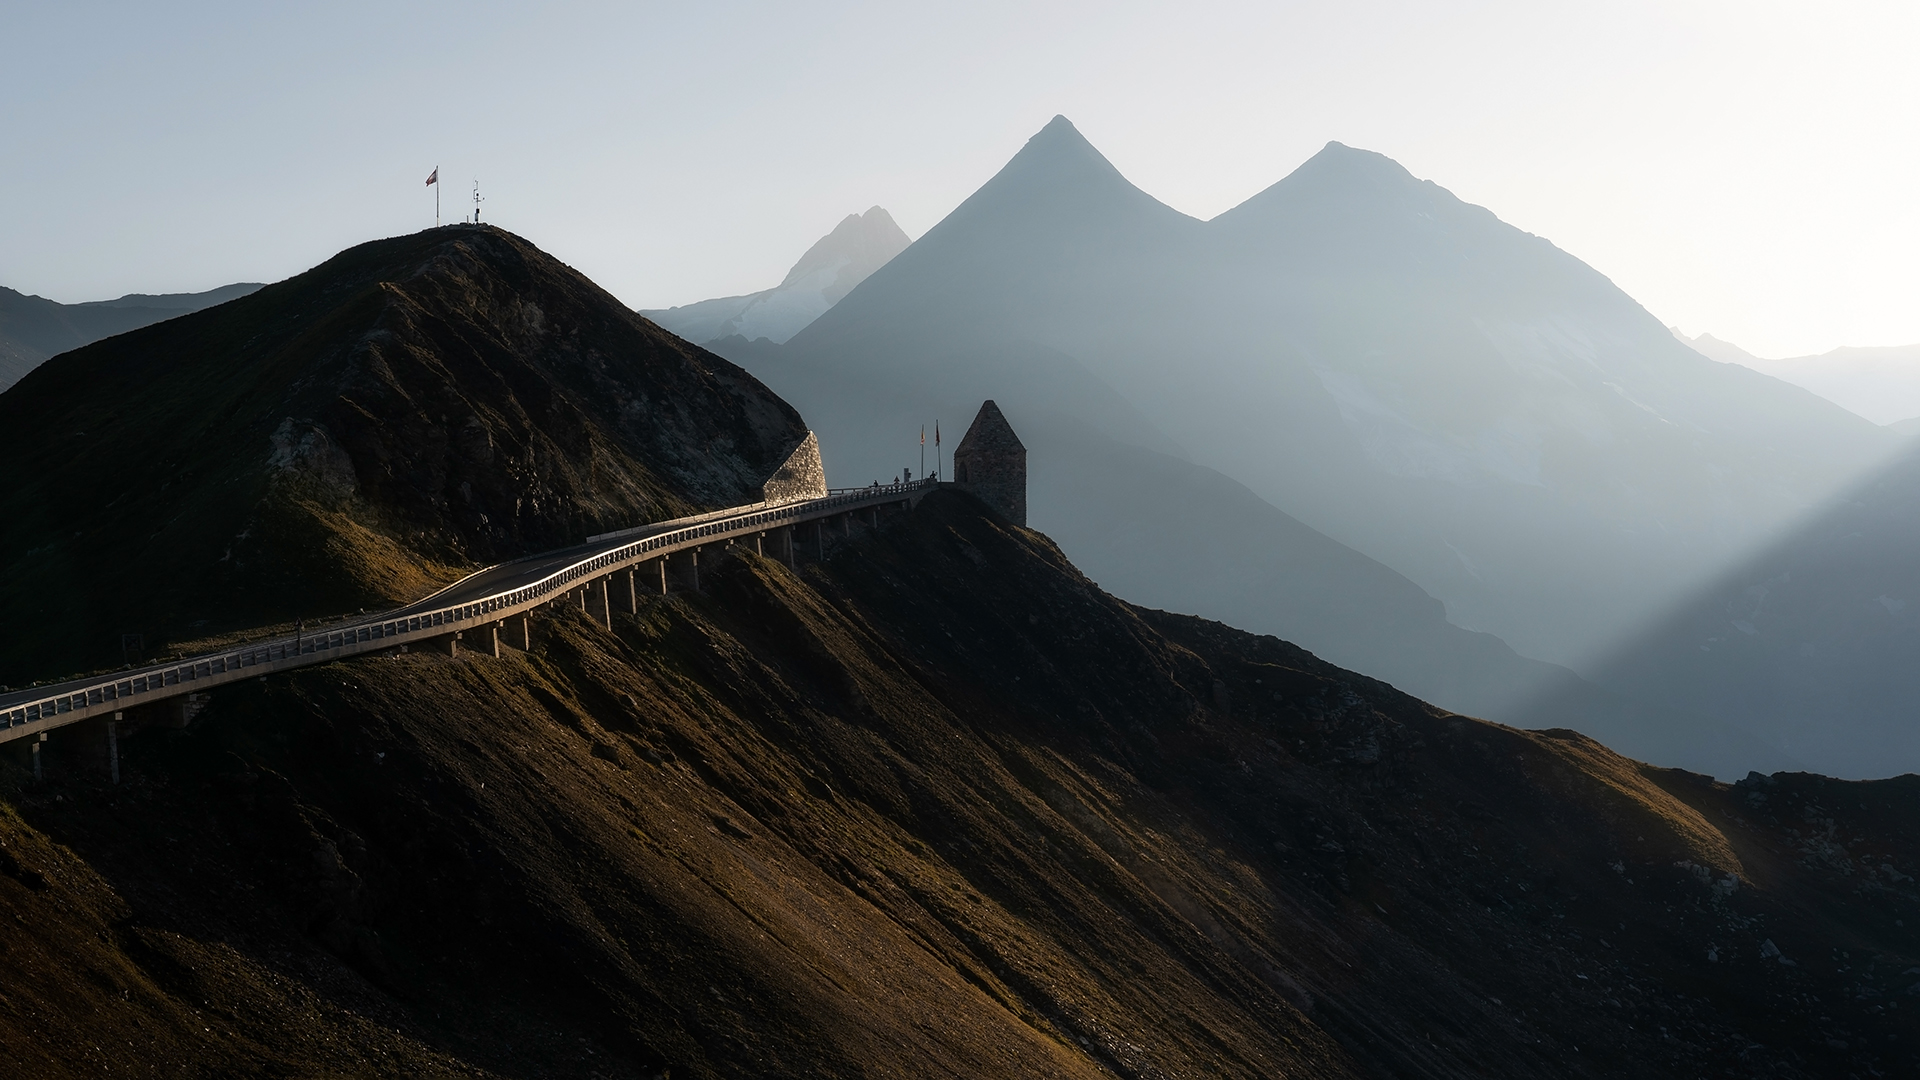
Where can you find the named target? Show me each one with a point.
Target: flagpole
(923, 453)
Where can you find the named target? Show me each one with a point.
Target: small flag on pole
(923, 434)
(434, 176)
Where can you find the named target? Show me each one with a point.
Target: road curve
(479, 600)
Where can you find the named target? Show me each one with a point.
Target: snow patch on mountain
(838, 261)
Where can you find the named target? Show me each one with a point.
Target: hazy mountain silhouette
(859, 245)
(1881, 383)
(33, 328)
(930, 335)
(1509, 428)
(1394, 368)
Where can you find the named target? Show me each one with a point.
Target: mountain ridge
(33, 328)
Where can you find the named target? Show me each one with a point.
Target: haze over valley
(1358, 357)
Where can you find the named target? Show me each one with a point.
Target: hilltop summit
(351, 437)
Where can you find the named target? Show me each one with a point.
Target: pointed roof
(990, 432)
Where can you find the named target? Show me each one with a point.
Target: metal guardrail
(27, 712)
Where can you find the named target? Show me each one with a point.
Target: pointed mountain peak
(859, 245)
(1060, 150)
(1057, 181)
(1347, 182)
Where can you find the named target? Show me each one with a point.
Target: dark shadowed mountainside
(352, 437)
(33, 328)
(937, 807)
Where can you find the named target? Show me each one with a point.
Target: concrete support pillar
(113, 747)
(448, 644)
(759, 543)
(36, 754)
(525, 637)
(633, 590)
(695, 556)
(606, 603)
(581, 594)
(663, 574)
(493, 640)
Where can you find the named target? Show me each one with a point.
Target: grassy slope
(936, 808)
(349, 438)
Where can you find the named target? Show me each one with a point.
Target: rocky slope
(349, 438)
(33, 328)
(936, 807)
(859, 245)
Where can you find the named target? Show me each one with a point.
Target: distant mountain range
(1361, 359)
(33, 328)
(1879, 383)
(838, 261)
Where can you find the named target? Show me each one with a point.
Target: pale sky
(1749, 169)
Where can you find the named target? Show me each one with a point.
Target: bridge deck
(480, 599)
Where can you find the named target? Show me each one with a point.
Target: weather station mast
(476, 202)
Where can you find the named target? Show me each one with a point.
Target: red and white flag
(433, 177)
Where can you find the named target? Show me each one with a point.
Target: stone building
(799, 477)
(991, 463)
